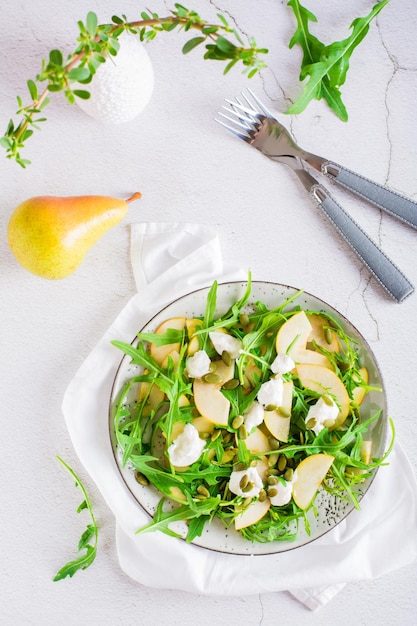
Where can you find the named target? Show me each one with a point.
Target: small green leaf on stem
(89, 538)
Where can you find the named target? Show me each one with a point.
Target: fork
(250, 120)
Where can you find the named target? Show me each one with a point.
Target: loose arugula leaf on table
(326, 66)
(89, 538)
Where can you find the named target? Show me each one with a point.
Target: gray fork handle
(390, 277)
(393, 203)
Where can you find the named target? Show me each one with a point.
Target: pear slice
(278, 425)
(252, 514)
(358, 393)
(325, 381)
(210, 402)
(258, 442)
(292, 339)
(159, 353)
(193, 343)
(319, 334)
(309, 475)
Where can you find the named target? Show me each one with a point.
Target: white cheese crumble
(253, 416)
(186, 448)
(270, 393)
(253, 477)
(282, 364)
(322, 411)
(198, 365)
(284, 493)
(224, 342)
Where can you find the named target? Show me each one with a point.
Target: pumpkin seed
(239, 467)
(237, 422)
(246, 502)
(216, 434)
(311, 423)
(213, 366)
(274, 443)
(262, 495)
(198, 496)
(250, 485)
(227, 438)
(272, 459)
(141, 479)
(226, 358)
(228, 455)
(282, 462)
(244, 319)
(205, 435)
(272, 480)
(302, 438)
(288, 474)
(246, 383)
(203, 491)
(243, 481)
(272, 472)
(231, 384)
(283, 411)
(243, 433)
(328, 335)
(271, 407)
(211, 377)
(272, 492)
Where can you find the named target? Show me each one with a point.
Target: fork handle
(393, 203)
(384, 270)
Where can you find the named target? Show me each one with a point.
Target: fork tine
(258, 102)
(233, 130)
(237, 122)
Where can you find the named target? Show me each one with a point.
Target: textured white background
(189, 169)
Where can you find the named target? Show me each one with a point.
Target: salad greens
(326, 66)
(169, 398)
(88, 540)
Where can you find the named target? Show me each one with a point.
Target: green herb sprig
(96, 42)
(89, 538)
(326, 66)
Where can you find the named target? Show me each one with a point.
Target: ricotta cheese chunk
(186, 448)
(283, 495)
(253, 416)
(252, 478)
(325, 410)
(270, 393)
(282, 364)
(198, 365)
(224, 342)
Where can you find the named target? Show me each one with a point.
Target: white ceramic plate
(331, 510)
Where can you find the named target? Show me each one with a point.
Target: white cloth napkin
(170, 260)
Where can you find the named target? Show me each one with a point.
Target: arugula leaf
(162, 519)
(326, 67)
(89, 538)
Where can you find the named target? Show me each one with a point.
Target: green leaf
(33, 90)
(80, 93)
(226, 46)
(56, 58)
(79, 73)
(92, 24)
(90, 533)
(192, 43)
(325, 67)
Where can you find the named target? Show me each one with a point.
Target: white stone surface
(189, 169)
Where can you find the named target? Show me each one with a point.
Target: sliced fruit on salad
(245, 416)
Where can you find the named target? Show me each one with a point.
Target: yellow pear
(50, 235)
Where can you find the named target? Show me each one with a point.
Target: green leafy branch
(326, 67)
(96, 42)
(89, 538)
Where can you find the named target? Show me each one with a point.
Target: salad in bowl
(248, 418)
